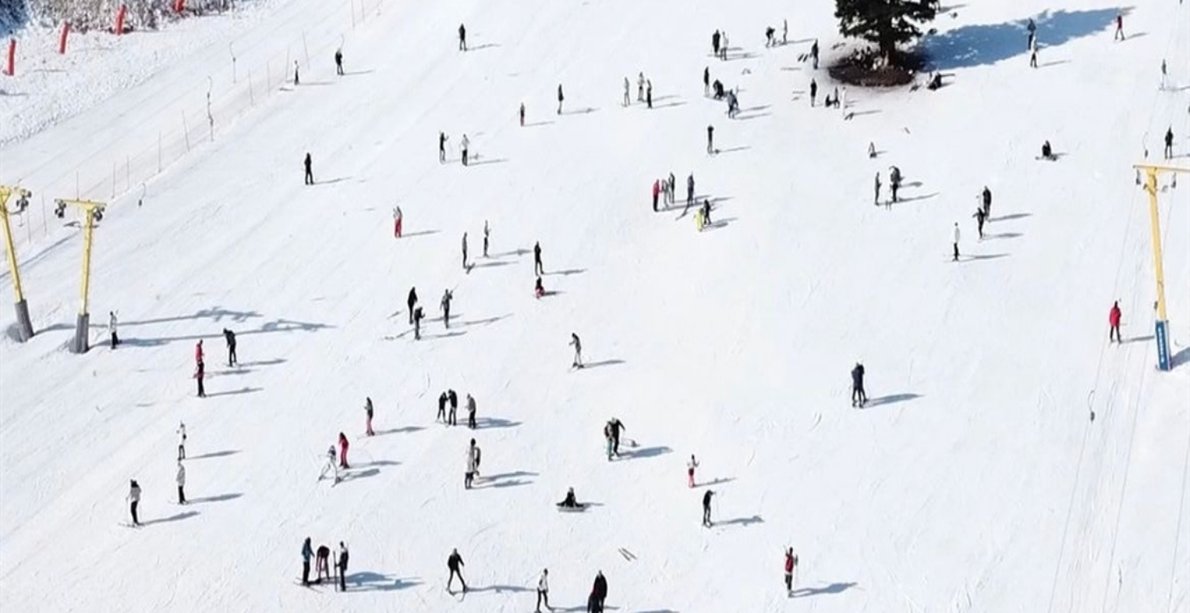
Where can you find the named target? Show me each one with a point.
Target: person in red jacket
(343, 451)
(1113, 319)
(790, 565)
(656, 192)
(198, 353)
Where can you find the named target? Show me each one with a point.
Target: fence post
(62, 38)
(12, 57)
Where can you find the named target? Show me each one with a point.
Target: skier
(769, 33)
(454, 563)
(871, 150)
(1032, 28)
(656, 192)
(569, 501)
(956, 242)
(230, 338)
(813, 91)
(181, 440)
(342, 567)
(181, 479)
(538, 289)
(669, 189)
(543, 590)
(339, 62)
(784, 31)
(578, 351)
(706, 81)
(1047, 151)
(690, 466)
(445, 304)
(560, 98)
(322, 563)
(858, 396)
(331, 466)
(717, 88)
(463, 146)
(599, 591)
(296, 81)
(814, 53)
(894, 181)
(472, 465)
(1163, 75)
(616, 426)
(640, 87)
(706, 508)
(706, 211)
(790, 565)
(442, 138)
(398, 220)
(987, 201)
(627, 98)
(1113, 320)
(368, 412)
(470, 412)
(689, 192)
(522, 114)
(111, 326)
(343, 451)
(198, 352)
(710, 139)
(1119, 35)
(876, 196)
(307, 553)
(715, 43)
(723, 47)
(1033, 58)
(1169, 143)
(199, 373)
(486, 235)
(134, 500)
(607, 440)
(979, 216)
(649, 94)
(453, 399)
(309, 169)
(411, 301)
(843, 99)
(537, 266)
(417, 317)
(462, 38)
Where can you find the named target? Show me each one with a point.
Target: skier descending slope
(455, 564)
(133, 501)
(1113, 321)
(368, 411)
(858, 396)
(706, 508)
(790, 567)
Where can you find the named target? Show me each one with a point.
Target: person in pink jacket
(656, 192)
(343, 451)
(1113, 320)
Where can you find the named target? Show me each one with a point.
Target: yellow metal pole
(88, 230)
(1155, 227)
(5, 192)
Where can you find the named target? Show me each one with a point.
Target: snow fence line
(186, 122)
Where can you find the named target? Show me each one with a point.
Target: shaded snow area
(972, 480)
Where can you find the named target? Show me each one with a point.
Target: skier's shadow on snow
(214, 454)
(174, 517)
(916, 198)
(485, 322)
(741, 521)
(401, 430)
(719, 223)
(583, 111)
(1010, 217)
(979, 45)
(419, 233)
(565, 273)
(1002, 235)
(332, 181)
(502, 480)
(352, 475)
(534, 124)
(242, 390)
(367, 581)
(715, 481)
(499, 588)
(219, 498)
(272, 362)
(590, 365)
(484, 423)
(645, 452)
(484, 161)
(833, 588)
(732, 149)
(890, 399)
(977, 258)
(490, 264)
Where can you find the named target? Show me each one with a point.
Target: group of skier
(322, 567)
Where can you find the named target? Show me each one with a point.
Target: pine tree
(888, 23)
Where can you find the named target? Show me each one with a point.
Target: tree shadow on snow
(890, 399)
(833, 588)
(980, 45)
(367, 581)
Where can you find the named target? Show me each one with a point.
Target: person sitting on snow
(569, 502)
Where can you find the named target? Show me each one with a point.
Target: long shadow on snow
(219, 498)
(242, 390)
(214, 454)
(401, 430)
(511, 479)
(277, 325)
(833, 588)
(484, 423)
(890, 399)
(646, 452)
(741, 521)
(979, 45)
(367, 581)
(175, 517)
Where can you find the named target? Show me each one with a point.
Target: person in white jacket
(133, 500)
(472, 465)
(464, 145)
(111, 325)
(956, 242)
(181, 441)
(181, 479)
(543, 590)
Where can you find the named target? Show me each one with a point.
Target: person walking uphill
(1113, 320)
(455, 564)
(230, 338)
(133, 501)
(858, 396)
(339, 62)
(309, 164)
(689, 192)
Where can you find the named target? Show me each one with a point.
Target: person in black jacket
(813, 91)
(230, 337)
(309, 164)
(987, 201)
(454, 407)
(455, 563)
(599, 591)
(858, 396)
(411, 302)
(1169, 143)
(442, 399)
(342, 565)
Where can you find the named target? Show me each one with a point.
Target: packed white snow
(973, 480)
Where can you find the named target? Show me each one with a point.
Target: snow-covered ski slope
(973, 481)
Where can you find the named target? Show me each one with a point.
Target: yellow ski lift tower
(24, 325)
(1162, 326)
(92, 212)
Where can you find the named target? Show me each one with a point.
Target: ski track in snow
(973, 480)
